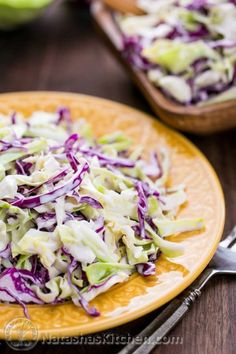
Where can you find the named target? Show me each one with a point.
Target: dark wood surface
(62, 52)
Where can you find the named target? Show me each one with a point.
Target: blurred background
(59, 50)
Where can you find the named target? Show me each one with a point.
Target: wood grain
(52, 54)
(194, 119)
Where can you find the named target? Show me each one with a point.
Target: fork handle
(153, 334)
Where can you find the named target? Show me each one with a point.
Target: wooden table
(62, 52)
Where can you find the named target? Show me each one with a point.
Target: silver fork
(223, 262)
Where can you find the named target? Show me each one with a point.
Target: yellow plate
(139, 295)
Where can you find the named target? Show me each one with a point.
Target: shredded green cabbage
(79, 215)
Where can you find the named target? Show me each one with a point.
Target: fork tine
(230, 239)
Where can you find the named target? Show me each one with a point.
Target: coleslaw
(187, 48)
(78, 214)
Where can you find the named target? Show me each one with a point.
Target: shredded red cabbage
(104, 160)
(14, 283)
(99, 224)
(34, 201)
(65, 115)
(23, 168)
(73, 161)
(14, 298)
(13, 118)
(17, 144)
(6, 252)
(146, 269)
(53, 179)
(197, 5)
(132, 49)
(69, 143)
(142, 208)
(81, 300)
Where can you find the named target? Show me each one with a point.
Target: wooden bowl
(195, 119)
(125, 6)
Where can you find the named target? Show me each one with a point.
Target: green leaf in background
(17, 12)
